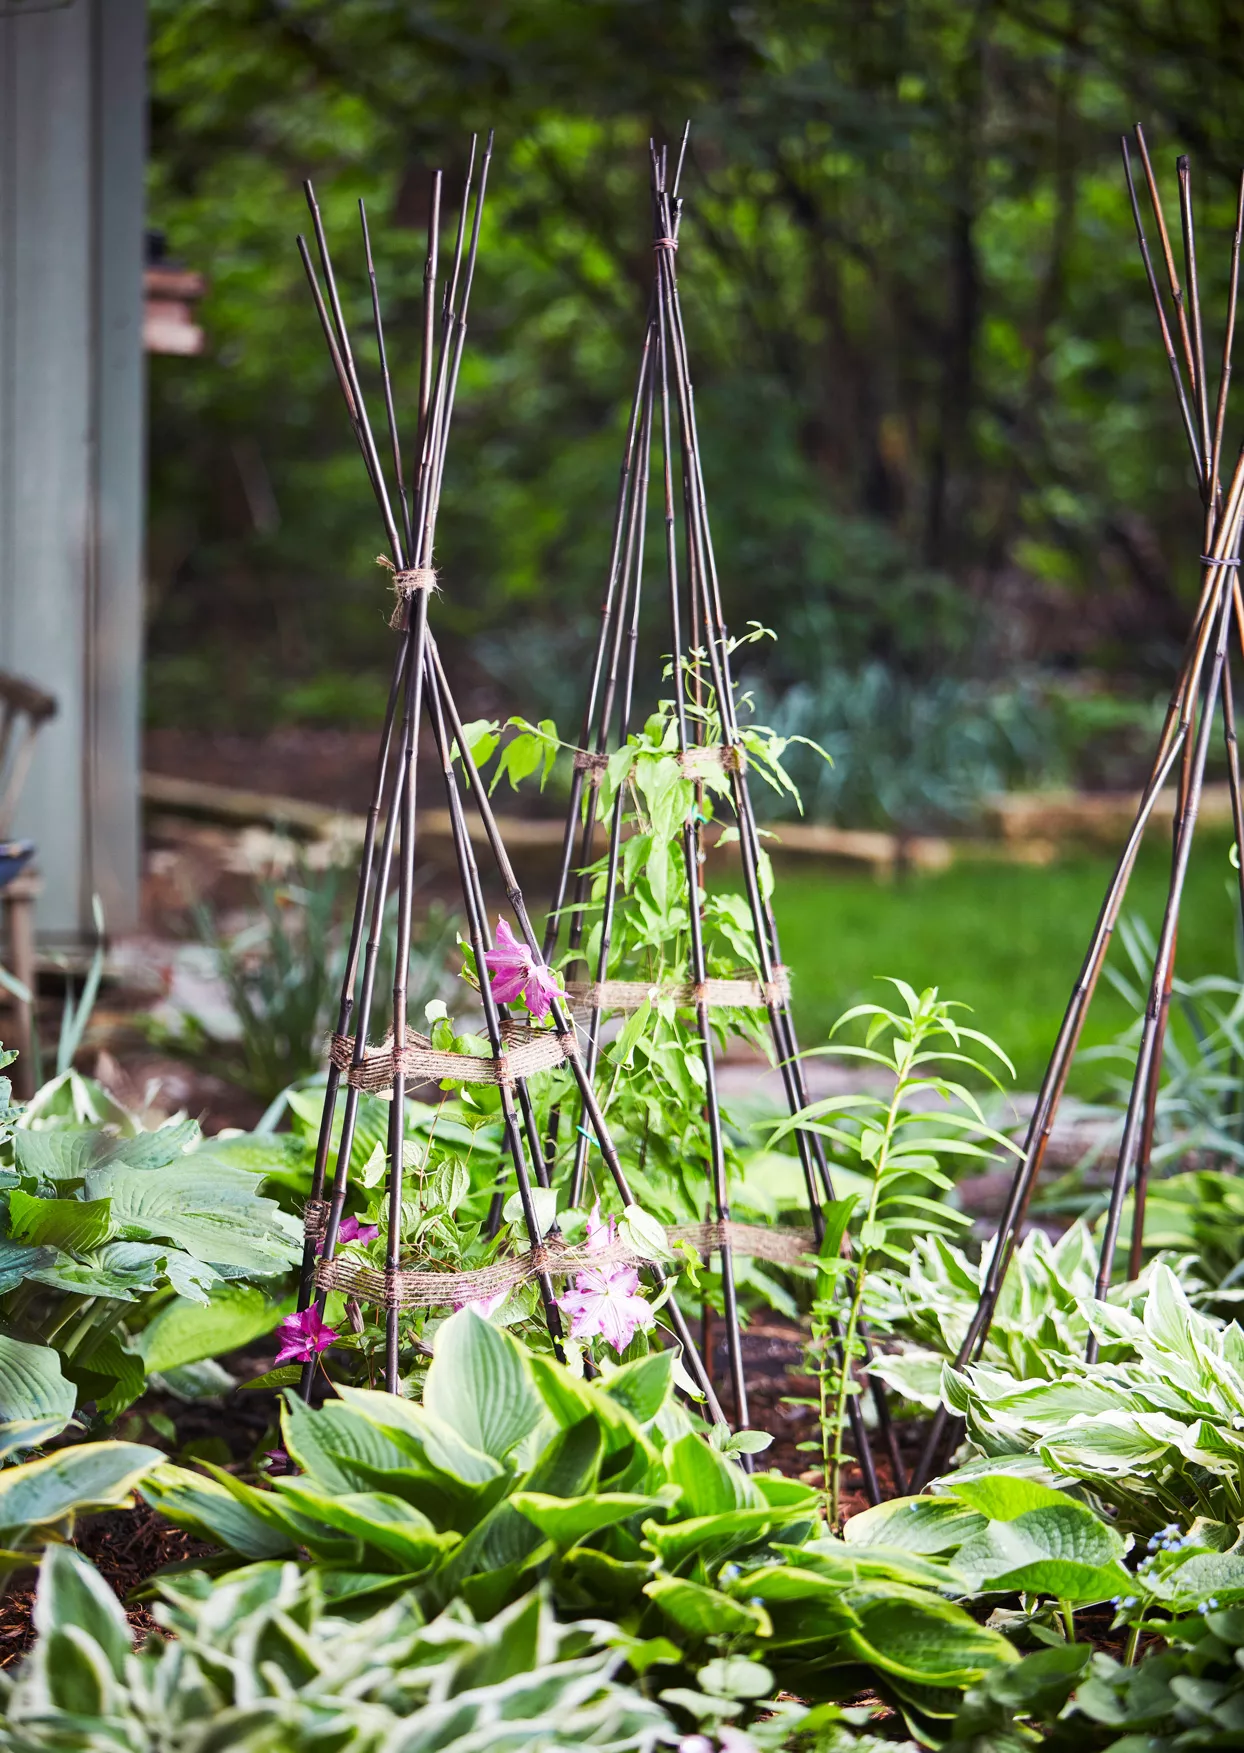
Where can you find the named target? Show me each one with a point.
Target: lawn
(1008, 940)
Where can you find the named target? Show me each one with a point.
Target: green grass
(1008, 940)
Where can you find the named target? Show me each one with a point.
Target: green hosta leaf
(1002, 1497)
(1060, 1548)
(406, 1435)
(736, 1677)
(847, 1565)
(930, 1642)
(207, 1509)
(383, 1523)
(185, 1332)
(706, 1612)
(92, 1476)
(32, 1386)
(75, 1225)
(17, 1435)
(568, 1521)
(710, 1485)
(643, 1387)
(603, 1579)
(72, 1592)
(479, 1385)
(76, 1674)
(710, 1538)
(915, 1524)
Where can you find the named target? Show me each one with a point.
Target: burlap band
(406, 585)
(527, 1051)
(716, 994)
(435, 1290)
(588, 761)
(701, 760)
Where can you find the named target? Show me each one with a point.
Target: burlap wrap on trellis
(716, 994)
(434, 1290)
(527, 1051)
(699, 761)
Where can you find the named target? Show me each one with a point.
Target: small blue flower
(730, 1571)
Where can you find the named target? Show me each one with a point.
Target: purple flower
(351, 1230)
(599, 1235)
(516, 974)
(303, 1337)
(606, 1301)
(486, 1305)
(278, 1461)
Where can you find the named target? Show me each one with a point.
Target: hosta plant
(124, 1252)
(513, 1471)
(1041, 1322)
(40, 1500)
(261, 1663)
(1154, 1429)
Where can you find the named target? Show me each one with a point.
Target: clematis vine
(516, 974)
(351, 1230)
(606, 1301)
(303, 1337)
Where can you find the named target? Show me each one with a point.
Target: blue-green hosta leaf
(88, 1477)
(190, 1278)
(205, 1380)
(212, 1212)
(31, 1384)
(479, 1385)
(916, 1375)
(85, 1278)
(75, 1225)
(916, 1637)
(184, 1332)
(18, 1261)
(151, 1150)
(60, 1155)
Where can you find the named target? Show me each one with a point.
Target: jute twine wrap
(701, 760)
(434, 1290)
(588, 761)
(407, 583)
(526, 1052)
(716, 994)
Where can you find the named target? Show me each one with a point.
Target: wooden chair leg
(20, 909)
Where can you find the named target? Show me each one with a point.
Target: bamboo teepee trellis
(419, 685)
(1203, 683)
(663, 407)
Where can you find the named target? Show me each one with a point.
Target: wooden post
(72, 143)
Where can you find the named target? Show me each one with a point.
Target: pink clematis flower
(303, 1337)
(516, 974)
(351, 1230)
(599, 1235)
(606, 1301)
(486, 1306)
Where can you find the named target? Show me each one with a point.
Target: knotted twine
(553, 1259)
(407, 581)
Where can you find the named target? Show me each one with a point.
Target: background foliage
(937, 428)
